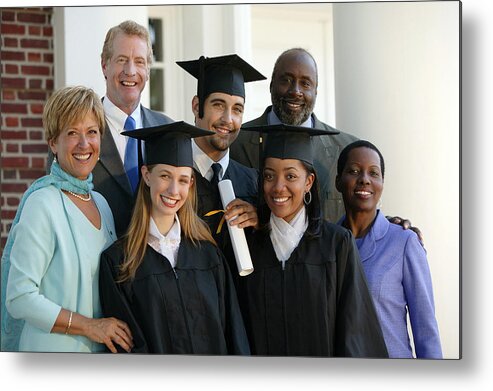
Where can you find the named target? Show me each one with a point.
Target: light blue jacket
(50, 270)
(399, 280)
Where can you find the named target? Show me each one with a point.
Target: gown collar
(285, 236)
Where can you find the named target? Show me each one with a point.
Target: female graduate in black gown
(166, 277)
(307, 295)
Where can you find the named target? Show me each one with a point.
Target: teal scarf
(12, 328)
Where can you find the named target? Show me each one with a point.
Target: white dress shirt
(203, 163)
(166, 245)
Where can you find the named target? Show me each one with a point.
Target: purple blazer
(399, 280)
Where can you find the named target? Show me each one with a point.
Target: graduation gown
(319, 305)
(245, 186)
(191, 309)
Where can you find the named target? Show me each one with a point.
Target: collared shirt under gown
(191, 309)
(245, 186)
(319, 305)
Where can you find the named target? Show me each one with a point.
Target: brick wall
(26, 83)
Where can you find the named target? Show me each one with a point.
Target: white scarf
(167, 245)
(285, 236)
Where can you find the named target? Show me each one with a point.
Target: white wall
(397, 85)
(212, 30)
(278, 27)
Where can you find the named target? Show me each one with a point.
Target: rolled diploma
(238, 239)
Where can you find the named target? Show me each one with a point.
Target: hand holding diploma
(243, 215)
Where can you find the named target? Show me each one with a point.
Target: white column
(213, 30)
(397, 85)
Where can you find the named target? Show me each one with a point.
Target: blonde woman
(51, 259)
(166, 277)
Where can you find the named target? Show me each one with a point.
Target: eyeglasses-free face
(285, 183)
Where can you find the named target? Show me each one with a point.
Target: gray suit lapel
(110, 160)
(254, 138)
(109, 157)
(320, 125)
(153, 118)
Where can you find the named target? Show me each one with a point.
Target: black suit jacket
(245, 150)
(109, 176)
(245, 186)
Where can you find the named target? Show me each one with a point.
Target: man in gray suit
(125, 60)
(293, 90)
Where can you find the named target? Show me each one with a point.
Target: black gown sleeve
(114, 301)
(234, 328)
(357, 327)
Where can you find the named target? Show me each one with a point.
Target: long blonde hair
(135, 240)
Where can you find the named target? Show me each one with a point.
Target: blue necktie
(216, 168)
(130, 162)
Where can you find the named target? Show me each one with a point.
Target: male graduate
(219, 106)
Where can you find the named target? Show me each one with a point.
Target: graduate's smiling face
(169, 187)
(285, 183)
(223, 114)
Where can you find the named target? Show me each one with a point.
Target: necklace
(80, 197)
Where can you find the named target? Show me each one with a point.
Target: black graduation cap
(289, 142)
(225, 74)
(168, 144)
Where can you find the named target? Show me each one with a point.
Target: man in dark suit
(218, 106)
(293, 89)
(125, 60)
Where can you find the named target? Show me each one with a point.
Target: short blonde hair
(69, 105)
(129, 27)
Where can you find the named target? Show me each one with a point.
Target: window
(156, 82)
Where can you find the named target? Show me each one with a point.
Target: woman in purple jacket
(394, 260)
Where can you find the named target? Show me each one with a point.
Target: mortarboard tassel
(200, 86)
